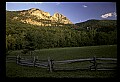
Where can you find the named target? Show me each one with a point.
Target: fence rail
(113, 59)
(72, 61)
(51, 65)
(11, 59)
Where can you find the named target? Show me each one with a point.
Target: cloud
(84, 6)
(27, 2)
(38, 2)
(35, 2)
(106, 15)
(57, 3)
(115, 14)
(109, 15)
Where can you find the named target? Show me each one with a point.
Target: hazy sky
(75, 11)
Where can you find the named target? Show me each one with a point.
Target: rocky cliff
(38, 17)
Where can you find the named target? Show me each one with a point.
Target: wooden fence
(51, 65)
(11, 59)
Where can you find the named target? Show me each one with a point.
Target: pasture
(110, 51)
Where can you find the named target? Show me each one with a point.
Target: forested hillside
(19, 34)
(98, 25)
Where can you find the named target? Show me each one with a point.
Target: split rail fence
(51, 65)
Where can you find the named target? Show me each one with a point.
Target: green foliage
(19, 34)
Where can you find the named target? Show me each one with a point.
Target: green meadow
(68, 53)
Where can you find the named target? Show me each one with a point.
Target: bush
(25, 51)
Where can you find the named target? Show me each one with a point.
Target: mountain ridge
(39, 17)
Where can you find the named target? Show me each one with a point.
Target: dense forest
(89, 33)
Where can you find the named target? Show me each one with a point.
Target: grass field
(110, 51)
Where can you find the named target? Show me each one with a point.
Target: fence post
(50, 64)
(91, 61)
(34, 61)
(37, 58)
(95, 63)
(18, 59)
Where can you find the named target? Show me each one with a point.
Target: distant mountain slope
(98, 24)
(38, 17)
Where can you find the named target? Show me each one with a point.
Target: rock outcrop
(38, 17)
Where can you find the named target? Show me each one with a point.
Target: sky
(75, 11)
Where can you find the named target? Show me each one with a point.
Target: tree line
(17, 37)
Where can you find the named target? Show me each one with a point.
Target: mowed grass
(105, 51)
